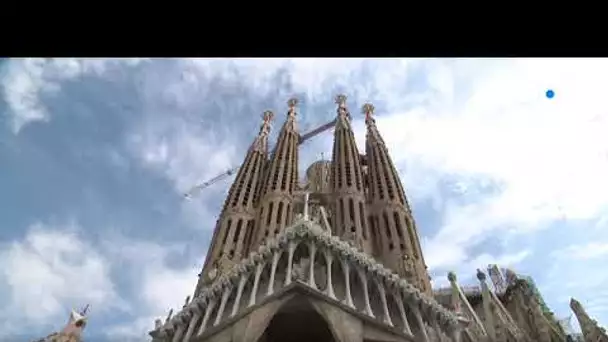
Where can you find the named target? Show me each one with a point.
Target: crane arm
(316, 131)
(302, 138)
(197, 188)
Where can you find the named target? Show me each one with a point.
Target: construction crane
(199, 187)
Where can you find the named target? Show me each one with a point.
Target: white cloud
(53, 269)
(158, 286)
(587, 251)
(24, 81)
(48, 271)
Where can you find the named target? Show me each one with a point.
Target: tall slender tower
(592, 332)
(236, 222)
(393, 228)
(276, 204)
(349, 219)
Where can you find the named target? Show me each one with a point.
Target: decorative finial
(480, 275)
(368, 110)
(451, 276)
(267, 116)
(292, 103)
(341, 100)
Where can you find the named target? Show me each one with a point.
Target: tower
(592, 332)
(396, 239)
(234, 228)
(276, 201)
(349, 219)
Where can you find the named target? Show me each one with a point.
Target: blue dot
(550, 93)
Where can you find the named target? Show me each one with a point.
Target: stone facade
(336, 259)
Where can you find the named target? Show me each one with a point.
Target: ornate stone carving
(407, 266)
(304, 231)
(353, 240)
(300, 270)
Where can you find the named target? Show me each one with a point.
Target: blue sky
(95, 154)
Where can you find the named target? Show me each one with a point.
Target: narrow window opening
(279, 213)
(269, 213)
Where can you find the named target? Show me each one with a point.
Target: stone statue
(300, 270)
(407, 266)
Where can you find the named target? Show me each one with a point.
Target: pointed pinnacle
(368, 109)
(267, 116)
(341, 100)
(292, 102)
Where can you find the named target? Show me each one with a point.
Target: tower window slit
(378, 170)
(388, 230)
(398, 224)
(277, 160)
(294, 169)
(286, 164)
(362, 219)
(259, 180)
(347, 158)
(241, 175)
(226, 230)
(279, 213)
(248, 234)
(388, 175)
(412, 235)
(370, 222)
(235, 238)
(341, 164)
(252, 177)
(342, 214)
(351, 207)
(269, 213)
(288, 215)
(334, 166)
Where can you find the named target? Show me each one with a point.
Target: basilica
(337, 258)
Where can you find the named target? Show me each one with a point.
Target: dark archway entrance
(297, 321)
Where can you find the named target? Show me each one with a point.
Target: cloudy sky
(95, 154)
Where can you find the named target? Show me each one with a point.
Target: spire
(275, 211)
(589, 327)
(394, 232)
(350, 219)
(236, 222)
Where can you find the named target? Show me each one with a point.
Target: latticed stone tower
(347, 184)
(235, 226)
(397, 240)
(336, 258)
(276, 205)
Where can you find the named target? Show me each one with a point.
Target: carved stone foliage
(306, 231)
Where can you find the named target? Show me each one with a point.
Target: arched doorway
(297, 321)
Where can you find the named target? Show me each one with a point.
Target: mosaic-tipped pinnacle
(368, 108)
